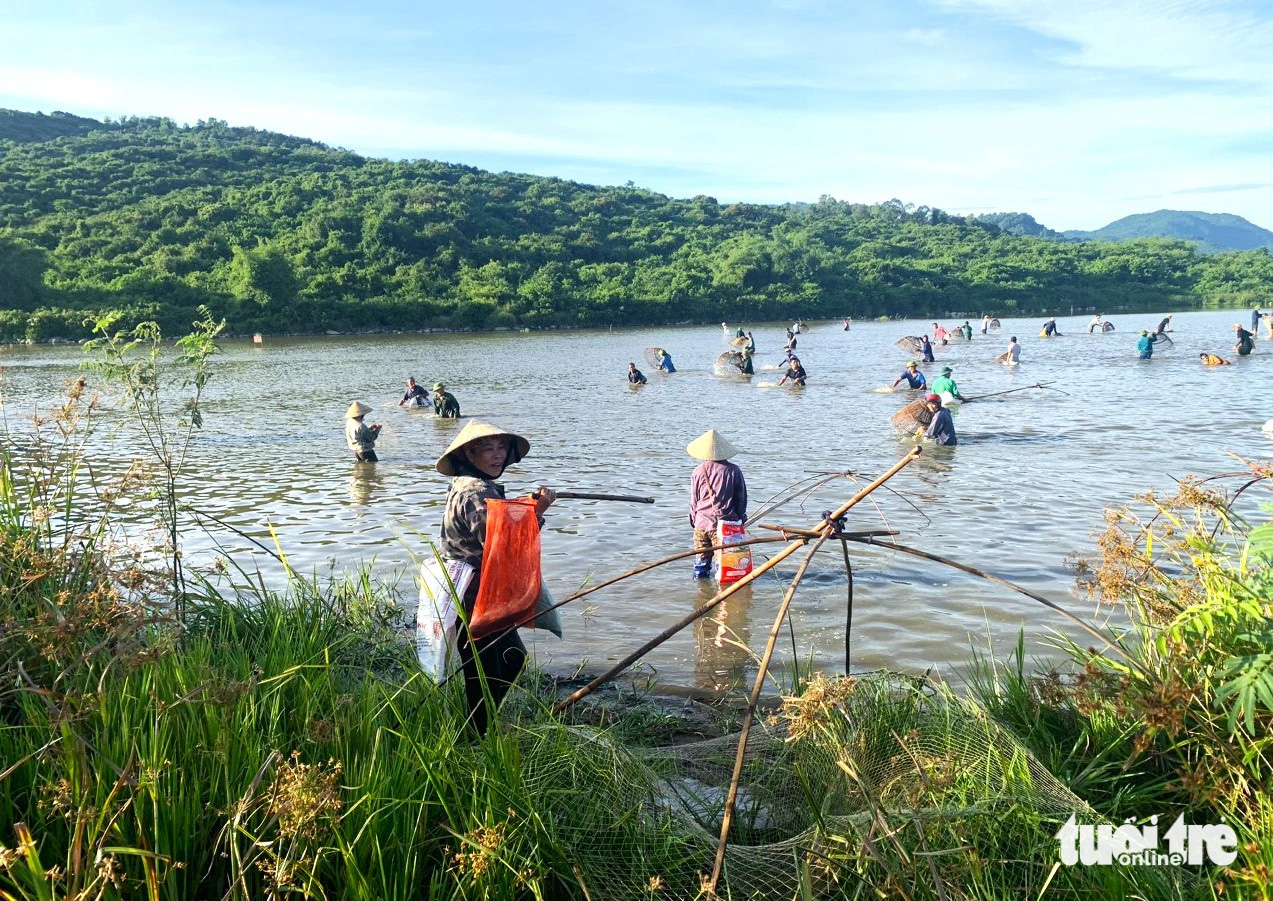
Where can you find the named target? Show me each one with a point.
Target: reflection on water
(722, 641)
(365, 482)
(1024, 488)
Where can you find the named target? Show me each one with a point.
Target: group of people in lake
(361, 437)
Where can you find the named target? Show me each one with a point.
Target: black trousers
(501, 657)
(366, 456)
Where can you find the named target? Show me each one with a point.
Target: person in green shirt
(946, 385)
(745, 365)
(444, 403)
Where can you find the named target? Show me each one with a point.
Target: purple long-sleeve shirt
(717, 491)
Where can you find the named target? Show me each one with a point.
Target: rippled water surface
(1023, 490)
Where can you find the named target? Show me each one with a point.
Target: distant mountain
(1212, 232)
(1019, 224)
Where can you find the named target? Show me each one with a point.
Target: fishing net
(1162, 342)
(653, 356)
(911, 343)
(914, 415)
(728, 362)
(994, 323)
(857, 774)
(510, 566)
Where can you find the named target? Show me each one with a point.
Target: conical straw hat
(711, 445)
(356, 409)
(474, 429)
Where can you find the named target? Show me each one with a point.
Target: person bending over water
(416, 396)
(636, 376)
(795, 372)
(1246, 341)
(912, 376)
(1212, 360)
(941, 429)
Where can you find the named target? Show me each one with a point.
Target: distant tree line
(282, 234)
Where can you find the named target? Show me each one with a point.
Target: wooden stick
(726, 593)
(593, 496)
(740, 755)
(1011, 390)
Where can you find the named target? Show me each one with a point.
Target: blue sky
(1075, 111)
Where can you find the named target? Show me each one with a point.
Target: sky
(1077, 112)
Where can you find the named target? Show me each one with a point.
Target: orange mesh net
(510, 566)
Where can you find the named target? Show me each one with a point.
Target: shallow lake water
(1023, 491)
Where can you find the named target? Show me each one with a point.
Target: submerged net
(914, 415)
(857, 783)
(728, 362)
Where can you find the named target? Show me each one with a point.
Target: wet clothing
(361, 439)
(416, 396)
(967, 330)
(796, 375)
(942, 428)
(927, 349)
(745, 365)
(1146, 347)
(1255, 319)
(636, 377)
(1049, 328)
(502, 654)
(1246, 342)
(665, 363)
(717, 491)
(1162, 326)
(946, 385)
(985, 324)
(1213, 360)
(913, 379)
(446, 406)
(1014, 353)
(940, 334)
(740, 334)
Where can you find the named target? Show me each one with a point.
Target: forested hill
(282, 234)
(1212, 232)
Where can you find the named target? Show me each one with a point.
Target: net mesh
(824, 782)
(914, 415)
(654, 356)
(910, 343)
(728, 362)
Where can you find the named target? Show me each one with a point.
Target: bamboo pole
(727, 820)
(594, 496)
(726, 593)
(824, 531)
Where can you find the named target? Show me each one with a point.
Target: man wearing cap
(476, 458)
(913, 377)
(718, 492)
(946, 385)
(444, 403)
(745, 364)
(361, 437)
(1049, 329)
(416, 396)
(941, 429)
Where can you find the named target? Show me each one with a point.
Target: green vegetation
(165, 737)
(281, 234)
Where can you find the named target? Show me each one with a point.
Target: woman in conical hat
(718, 492)
(475, 459)
(361, 437)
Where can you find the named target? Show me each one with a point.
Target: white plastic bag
(442, 584)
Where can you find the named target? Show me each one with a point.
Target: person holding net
(912, 376)
(476, 458)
